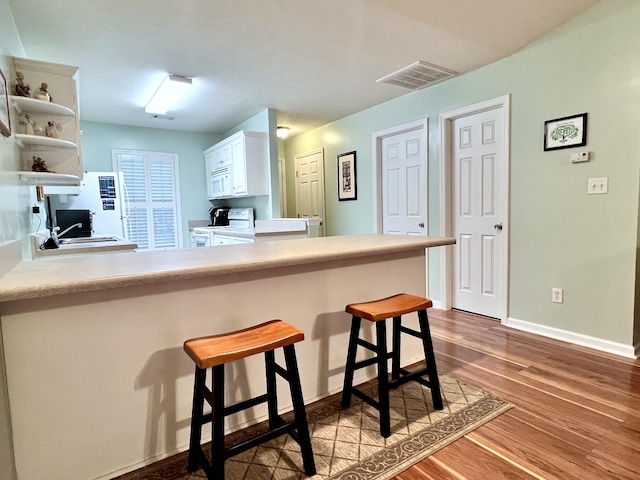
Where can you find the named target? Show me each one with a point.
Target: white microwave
(220, 183)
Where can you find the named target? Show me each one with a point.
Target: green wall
(559, 235)
(98, 139)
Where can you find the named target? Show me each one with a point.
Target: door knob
(421, 225)
(498, 226)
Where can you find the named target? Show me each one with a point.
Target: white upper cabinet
(48, 130)
(241, 159)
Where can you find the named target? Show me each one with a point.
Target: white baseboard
(437, 304)
(608, 346)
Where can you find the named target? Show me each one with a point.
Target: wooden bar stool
(378, 311)
(213, 352)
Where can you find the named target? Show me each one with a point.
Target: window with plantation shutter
(151, 183)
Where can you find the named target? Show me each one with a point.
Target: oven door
(220, 183)
(201, 238)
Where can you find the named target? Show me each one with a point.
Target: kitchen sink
(74, 241)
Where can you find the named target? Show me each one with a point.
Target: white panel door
(310, 184)
(478, 159)
(404, 183)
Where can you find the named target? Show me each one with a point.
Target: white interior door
(404, 183)
(310, 185)
(478, 191)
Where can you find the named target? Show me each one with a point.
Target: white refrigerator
(104, 194)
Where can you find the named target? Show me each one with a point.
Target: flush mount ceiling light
(282, 132)
(168, 94)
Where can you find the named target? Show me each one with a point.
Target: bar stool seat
(378, 311)
(216, 351)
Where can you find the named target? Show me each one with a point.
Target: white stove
(239, 218)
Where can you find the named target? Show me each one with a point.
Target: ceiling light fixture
(282, 132)
(167, 94)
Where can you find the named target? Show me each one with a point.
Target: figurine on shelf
(21, 89)
(39, 165)
(29, 125)
(42, 93)
(52, 129)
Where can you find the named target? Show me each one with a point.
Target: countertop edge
(176, 274)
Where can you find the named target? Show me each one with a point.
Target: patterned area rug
(347, 444)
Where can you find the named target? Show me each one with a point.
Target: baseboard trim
(608, 346)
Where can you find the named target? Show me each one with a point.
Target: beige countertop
(76, 273)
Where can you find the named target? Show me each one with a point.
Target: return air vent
(417, 75)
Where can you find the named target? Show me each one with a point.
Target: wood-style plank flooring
(576, 414)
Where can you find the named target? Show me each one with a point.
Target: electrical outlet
(35, 209)
(598, 186)
(557, 295)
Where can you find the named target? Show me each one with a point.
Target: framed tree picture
(5, 121)
(347, 176)
(565, 132)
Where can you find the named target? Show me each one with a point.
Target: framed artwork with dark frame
(566, 132)
(347, 176)
(5, 120)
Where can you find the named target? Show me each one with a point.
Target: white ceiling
(313, 61)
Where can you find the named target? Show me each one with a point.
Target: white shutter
(152, 184)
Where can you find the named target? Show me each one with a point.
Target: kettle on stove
(219, 216)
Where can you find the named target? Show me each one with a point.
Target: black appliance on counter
(66, 218)
(219, 216)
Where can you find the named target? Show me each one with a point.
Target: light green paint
(99, 139)
(559, 235)
(264, 205)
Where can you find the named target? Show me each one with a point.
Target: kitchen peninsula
(98, 382)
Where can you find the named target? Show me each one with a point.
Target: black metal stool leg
(193, 462)
(395, 354)
(217, 424)
(304, 439)
(430, 357)
(272, 391)
(383, 380)
(351, 361)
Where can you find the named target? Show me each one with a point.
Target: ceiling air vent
(417, 75)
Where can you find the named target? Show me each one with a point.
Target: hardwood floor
(576, 414)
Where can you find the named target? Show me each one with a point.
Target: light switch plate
(598, 186)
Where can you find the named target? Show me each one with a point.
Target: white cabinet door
(236, 240)
(239, 170)
(221, 240)
(245, 155)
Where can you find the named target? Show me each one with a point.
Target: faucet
(55, 235)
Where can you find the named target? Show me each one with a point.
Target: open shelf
(40, 107)
(25, 140)
(49, 179)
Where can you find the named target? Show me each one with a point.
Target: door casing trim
(446, 192)
(376, 139)
(376, 148)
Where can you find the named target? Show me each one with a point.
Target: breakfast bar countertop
(110, 329)
(77, 273)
